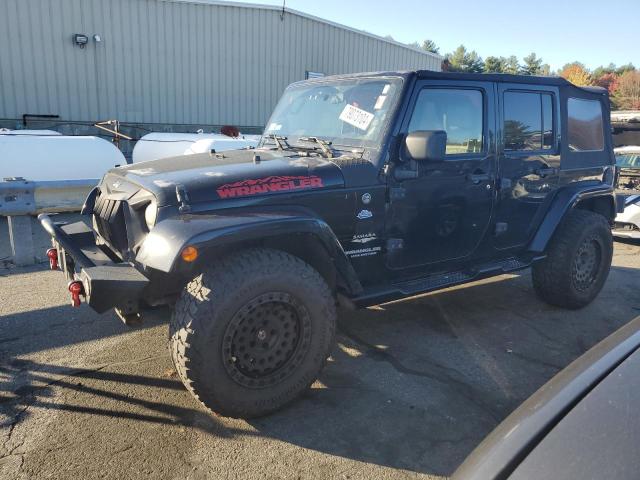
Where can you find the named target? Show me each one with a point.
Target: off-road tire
(222, 299)
(560, 278)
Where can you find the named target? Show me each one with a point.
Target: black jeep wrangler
(364, 189)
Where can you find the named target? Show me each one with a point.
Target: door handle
(479, 177)
(543, 172)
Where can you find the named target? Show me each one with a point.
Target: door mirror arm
(406, 171)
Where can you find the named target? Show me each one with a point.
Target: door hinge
(394, 244)
(501, 227)
(397, 193)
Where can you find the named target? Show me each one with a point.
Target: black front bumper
(107, 283)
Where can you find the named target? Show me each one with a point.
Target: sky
(560, 31)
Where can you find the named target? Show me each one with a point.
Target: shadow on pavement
(60, 326)
(414, 384)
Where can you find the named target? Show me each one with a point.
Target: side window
(456, 111)
(585, 125)
(528, 121)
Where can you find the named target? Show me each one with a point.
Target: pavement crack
(438, 373)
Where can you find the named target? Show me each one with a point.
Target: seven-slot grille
(110, 222)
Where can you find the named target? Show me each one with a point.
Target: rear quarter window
(585, 128)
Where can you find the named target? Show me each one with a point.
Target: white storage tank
(56, 157)
(32, 133)
(161, 145)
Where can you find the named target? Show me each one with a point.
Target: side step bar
(431, 283)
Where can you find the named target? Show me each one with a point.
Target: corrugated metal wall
(172, 62)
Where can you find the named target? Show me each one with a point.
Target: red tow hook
(76, 290)
(52, 254)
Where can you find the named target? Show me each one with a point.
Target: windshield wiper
(325, 145)
(281, 142)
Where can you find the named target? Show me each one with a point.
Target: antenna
(284, 2)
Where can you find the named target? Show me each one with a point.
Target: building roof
(290, 11)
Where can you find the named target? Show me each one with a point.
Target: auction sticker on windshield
(357, 117)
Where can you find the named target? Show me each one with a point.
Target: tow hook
(76, 288)
(52, 255)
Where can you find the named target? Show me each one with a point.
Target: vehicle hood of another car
(229, 175)
(581, 424)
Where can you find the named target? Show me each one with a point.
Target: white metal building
(173, 62)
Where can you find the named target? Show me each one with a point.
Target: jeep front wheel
(577, 263)
(251, 333)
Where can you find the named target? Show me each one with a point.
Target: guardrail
(20, 199)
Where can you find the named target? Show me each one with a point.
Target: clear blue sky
(560, 31)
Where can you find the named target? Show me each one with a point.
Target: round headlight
(150, 215)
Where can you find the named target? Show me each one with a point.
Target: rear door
(529, 160)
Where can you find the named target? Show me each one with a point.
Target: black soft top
(480, 77)
(506, 78)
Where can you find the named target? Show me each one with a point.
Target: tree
(532, 65)
(545, 70)
(606, 80)
(462, 60)
(430, 46)
(627, 92)
(576, 73)
(601, 70)
(622, 69)
(413, 45)
(476, 65)
(511, 64)
(494, 65)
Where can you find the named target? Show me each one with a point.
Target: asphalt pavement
(411, 388)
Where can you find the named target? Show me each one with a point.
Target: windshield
(630, 160)
(352, 112)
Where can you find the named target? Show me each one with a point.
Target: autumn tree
(627, 92)
(532, 65)
(606, 80)
(602, 70)
(576, 73)
(430, 46)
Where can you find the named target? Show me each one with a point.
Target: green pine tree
(430, 46)
(532, 65)
(493, 65)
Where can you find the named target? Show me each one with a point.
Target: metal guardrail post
(21, 238)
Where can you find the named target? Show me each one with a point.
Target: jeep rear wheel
(253, 332)
(577, 263)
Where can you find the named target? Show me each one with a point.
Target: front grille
(110, 222)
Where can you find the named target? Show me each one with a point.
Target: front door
(443, 213)
(529, 160)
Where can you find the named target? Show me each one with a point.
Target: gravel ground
(412, 386)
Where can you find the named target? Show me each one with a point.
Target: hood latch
(183, 199)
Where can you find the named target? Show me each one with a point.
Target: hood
(233, 174)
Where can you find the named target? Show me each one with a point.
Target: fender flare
(564, 201)
(208, 232)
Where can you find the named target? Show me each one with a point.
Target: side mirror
(424, 145)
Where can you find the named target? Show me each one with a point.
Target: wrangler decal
(275, 183)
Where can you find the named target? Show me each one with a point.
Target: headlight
(150, 215)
